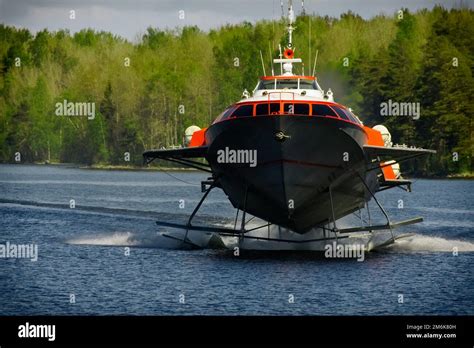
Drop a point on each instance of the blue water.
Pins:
(81, 252)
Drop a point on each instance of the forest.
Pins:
(146, 93)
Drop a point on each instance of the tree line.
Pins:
(146, 93)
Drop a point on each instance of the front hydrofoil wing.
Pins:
(181, 156)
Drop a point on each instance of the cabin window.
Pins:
(244, 110)
(286, 83)
(267, 109)
(346, 114)
(341, 113)
(274, 108)
(301, 109)
(298, 109)
(225, 114)
(352, 116)
(266, 84)
(322, 110)
(261, 109)
(308, 84)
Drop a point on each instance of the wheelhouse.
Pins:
(270, 83)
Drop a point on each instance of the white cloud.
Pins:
(128, 18)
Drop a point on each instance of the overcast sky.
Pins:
(129, 18)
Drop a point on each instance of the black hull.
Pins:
(290, 184)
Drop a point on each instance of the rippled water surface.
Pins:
(82, 252)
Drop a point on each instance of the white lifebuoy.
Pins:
(188, 133)
(386, 136)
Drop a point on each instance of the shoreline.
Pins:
(109, 167)
(185, 169)
(135, 168)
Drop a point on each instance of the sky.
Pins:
(130, 19)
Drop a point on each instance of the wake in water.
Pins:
(174, 240)
(115, 239)
(159, 240)
(419, 242)
(140, 214)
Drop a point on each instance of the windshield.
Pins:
(266, 84)
(226, 114)
(308, 84)
(287, 84)
(346, 114)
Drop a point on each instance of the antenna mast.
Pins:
(287, 58)
(291, 19)
(315, 61)
(271, 60)
(263, 64)
(309, 42)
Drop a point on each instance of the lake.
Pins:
(103, 257)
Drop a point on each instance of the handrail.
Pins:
(280, 99)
